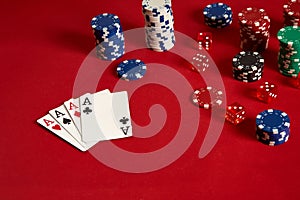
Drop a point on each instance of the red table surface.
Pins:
(43, 44)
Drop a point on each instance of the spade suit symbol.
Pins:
(66, 121)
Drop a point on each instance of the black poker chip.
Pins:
(247, 66)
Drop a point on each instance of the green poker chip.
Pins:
(289, 52)
(294, 75)
(289, 35)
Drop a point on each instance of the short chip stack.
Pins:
(109, 36)
(207, 97)
(132, 69)
(247, 66)
(159, 23)
(289, 52)
(217, 15)
(272, 127)
(291, 13)
(254, 29)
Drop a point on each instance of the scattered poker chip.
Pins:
(272, 127)
(247, 66)
(254, 29)
(217, 15)
(109, 36)
(289, 52)
(291, 13)
(207, 97)
(132, 69)
(159, 23)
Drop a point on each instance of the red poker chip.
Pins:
(207, 97)
(253, 17)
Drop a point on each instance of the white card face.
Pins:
(90, 129)
(51, 124)
(113, 115)
(73, 108)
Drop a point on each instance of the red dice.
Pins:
(204, 39)
(235, 113)
(267, 92)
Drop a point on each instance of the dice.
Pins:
(200, 62)
(204, 39)
(235, 113)
(267, 92)
(295, 82)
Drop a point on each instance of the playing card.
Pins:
(61, 115)
(121, 112)
(90, 129)
(73, 108)
(113, 114)
(50, 123)
(105, 116)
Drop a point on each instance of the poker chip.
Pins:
(291, 13)
(289, 52)
(132, 69)
(217, 15)
(247, 66)
(159, 23)
(109, 36)
(272, 127)
(207, 97)
(254, 29)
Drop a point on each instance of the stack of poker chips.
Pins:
(217, 15)
(291, 13)
(272, 127)
(289, 52)
(254, 29)
(109, 36)
(247, 66)
(159, 23)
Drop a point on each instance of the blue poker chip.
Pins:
(272, 142)
(110, 43)
(217, 15)
(132, 69)
(270, 136)
(105, 20)
(217, 11)
(272, 121)
(105, 33)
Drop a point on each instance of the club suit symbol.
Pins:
(124, 120)
(87, 110)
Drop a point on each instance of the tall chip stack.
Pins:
(289, 52)
(109, 36)
(254, 29)
(291, 13)
(272, 127)
(159, 23)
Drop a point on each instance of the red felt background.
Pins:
(43, 44)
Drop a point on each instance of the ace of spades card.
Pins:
(105, 116)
